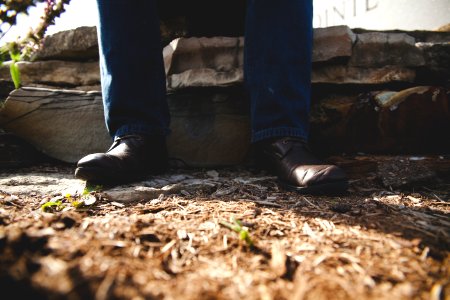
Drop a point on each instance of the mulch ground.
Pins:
(244, 237)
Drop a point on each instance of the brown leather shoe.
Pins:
(298, 169)
(129, 158)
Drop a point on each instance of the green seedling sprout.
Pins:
(14, 69)
(237, 226)
(52, 205)
(86, 199)
(58, 204)
(89, 188)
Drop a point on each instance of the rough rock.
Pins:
(218, 62)
(378, 49)
(56, 73)
(76, 44)
(374, 58)
(153, 188)
(62, 124)
(339, 74)
(407, 121)
(331, 74)
(424, 36)
(81, 76)
(437, 55)
(413, 120)
(82, 43)
(194, 62)
(40, 183)
(332, 42)
(204, 78)
(219, 53)
(210, 127)
(359, 74)
(138, 192)
(68, 125)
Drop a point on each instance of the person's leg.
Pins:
(132, 67)
(277, 71)
(277, 66)
(134, 92)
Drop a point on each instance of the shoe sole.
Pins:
(94, 175)
(331, 188)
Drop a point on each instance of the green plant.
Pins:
(14, 69)
(87, 198)
(236, 225)
(89, 188)
(53, 206)
(23, 48)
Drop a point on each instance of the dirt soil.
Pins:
(388, 238)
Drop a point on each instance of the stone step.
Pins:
(211, 126)
(374, 92)
(340, 56)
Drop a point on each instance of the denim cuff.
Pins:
(279, 132)
(143, 129)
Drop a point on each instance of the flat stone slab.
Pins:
(209, 127)
(377, 49)
(389, 171)
(413, 120)
(40, 183)
(186, 183)
(61, 124)
(76, 44)
(340, 74)
(332, 42)
(437, 55)
(56, 73)
(340, 57)
(82, 43)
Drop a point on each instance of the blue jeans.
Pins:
(277, 67)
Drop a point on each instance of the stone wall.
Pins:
(373, 92)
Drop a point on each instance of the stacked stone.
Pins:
(373, 92)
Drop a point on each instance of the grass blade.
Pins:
(15, 74)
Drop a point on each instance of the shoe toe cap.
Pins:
(317, 174)
(92, 160)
